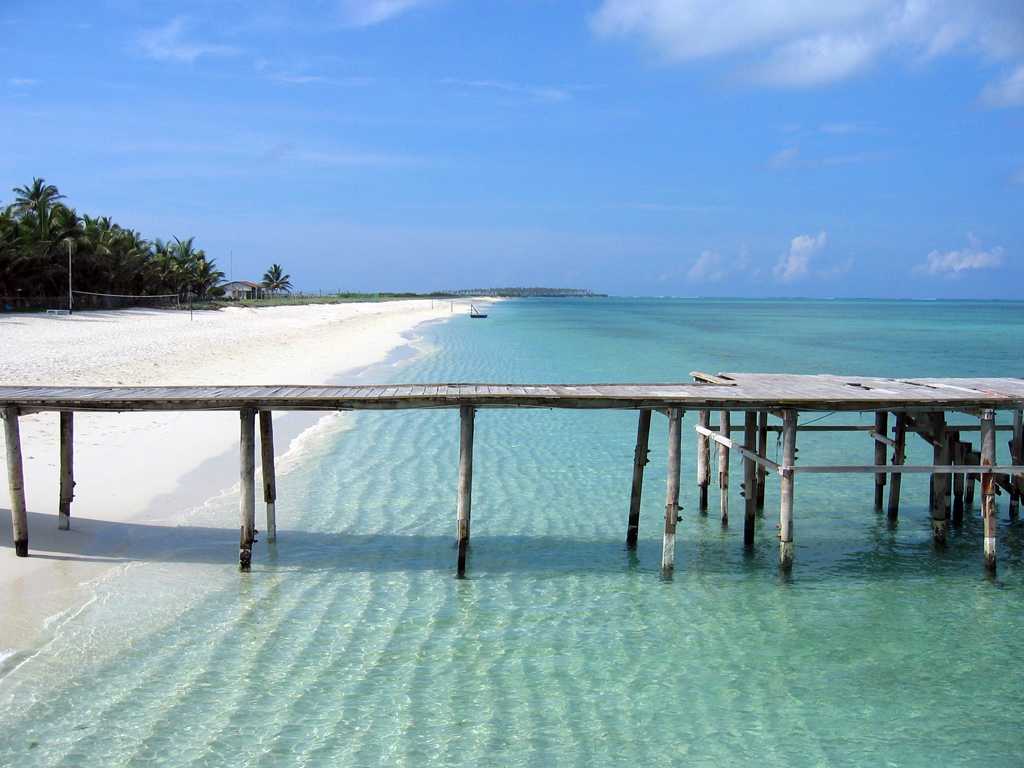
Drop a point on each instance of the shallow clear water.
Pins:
(351, 643)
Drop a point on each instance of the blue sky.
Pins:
(654, 147)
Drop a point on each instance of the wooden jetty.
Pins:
(918, 407)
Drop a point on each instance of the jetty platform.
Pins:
(759, 403)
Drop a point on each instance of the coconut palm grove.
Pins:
(41, 234)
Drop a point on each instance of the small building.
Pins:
(243, 289)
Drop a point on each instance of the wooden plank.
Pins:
(16, 482)
(988, 492)
(789, 422)
(703, 459)
(749, 477)
(269, 472)
(640, 453)
(668, 542)
(247, 476)
(67, 470)
(465, 497)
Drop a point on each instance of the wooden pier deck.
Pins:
(918, 406)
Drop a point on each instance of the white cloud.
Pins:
(708, 268)
(802, 248)
(1008, 92)
(784, 158)
(22, 82)
(168, 43)
(366, 13)
(805, 43)
(953, 263)
(842, 129)
(538, 92)
(288, 79)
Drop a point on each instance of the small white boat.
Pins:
(474, 312)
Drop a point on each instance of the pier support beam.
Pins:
(762, 451)
(67, 469)
(881, 428)
(16, 482)
(723, 467)
(988, 487)
(247, 476)
(1017, 457)
(899, 456)
(467, 414)
(749, 478)
(959, 454)
(643, 433)
(939, 494)
(269, 474)
(789, 419)
(668, 543)
(703, 462)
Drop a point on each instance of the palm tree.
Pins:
(36, 200)
(275, 280)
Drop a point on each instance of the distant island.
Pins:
(510, 293)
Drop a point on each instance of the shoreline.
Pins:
(115, 454)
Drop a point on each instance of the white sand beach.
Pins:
(131, 466)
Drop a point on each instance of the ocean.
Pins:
(352, 643)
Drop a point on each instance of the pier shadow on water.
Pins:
(705, 551)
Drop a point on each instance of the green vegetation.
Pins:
(39, 232)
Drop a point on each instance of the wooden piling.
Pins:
(899, 456)
(940, 454)
(749, 478)
(643, 432)
(247, 476)
(723, 468)
(16, 482)
(988, 489)
(269, 473)
(959, 457)
(67, 469)
(789, 420)
(467, 415)
(882, 429)
(970, 481)
(668, 543)
(762, 451)
(1017, 457)
(703, 462)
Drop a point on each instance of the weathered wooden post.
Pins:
(467, 414)
(899, 455)
(970, 480)
(959, 454)
(67, 469)
(749, 478)
(1016, 457)
(762, 451)
(247, 475)
(16, 482)
(988, 487)
(724, 430)
(269, 473)
(703, 462)
(881, 429)
(643, 433)
(940, 455)
(789, 420)
(668, 543)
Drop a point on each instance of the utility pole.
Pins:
(70, 300)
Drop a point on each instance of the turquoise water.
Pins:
(352, 644)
